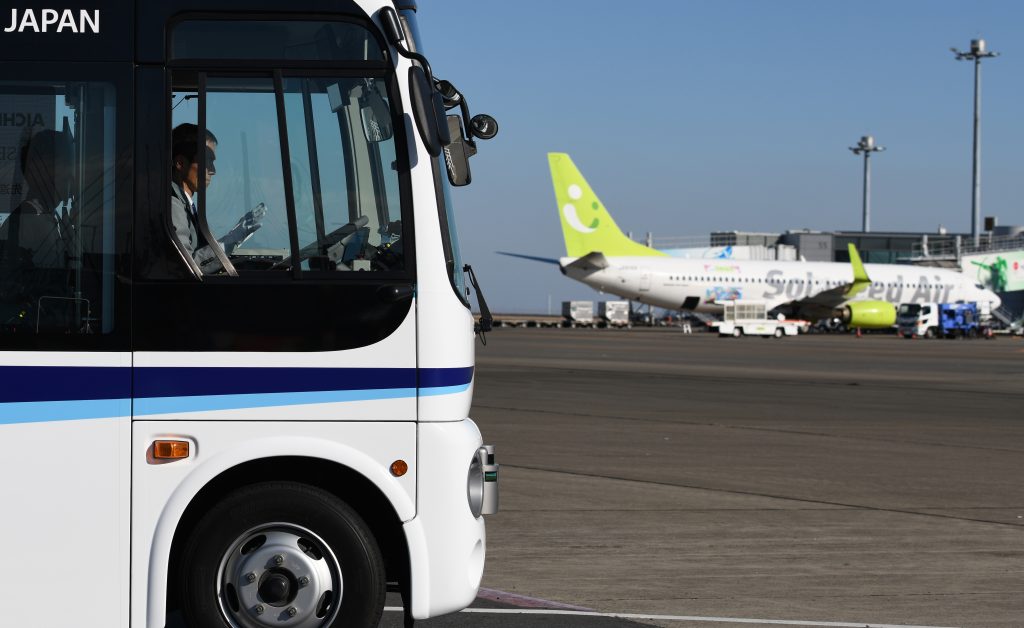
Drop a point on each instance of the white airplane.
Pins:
(862, 295)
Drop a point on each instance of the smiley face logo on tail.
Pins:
(569, 211)
(586, 224)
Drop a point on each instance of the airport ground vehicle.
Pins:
(577, 313)
(941, 320)
(742, 318)
(614, 313)
(271, 439)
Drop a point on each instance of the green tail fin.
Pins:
(860, 275)
(586, 224)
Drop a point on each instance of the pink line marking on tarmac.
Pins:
(524, 601)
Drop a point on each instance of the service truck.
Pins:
(577, 313)
(945, 320)
(750, 318)
(614, 313)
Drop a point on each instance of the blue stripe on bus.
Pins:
(207, 403)
(206, 381)
(443, 390)
(33, 394)
(437, 378)
(74, 410)
(65, 383)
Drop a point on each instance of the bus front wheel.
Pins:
(281, 553)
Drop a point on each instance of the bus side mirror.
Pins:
(428, 110)
(457, 154)
(392, 26)
(484, 126)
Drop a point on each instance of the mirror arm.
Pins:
(464, 107)
(393, 30)
(449, 91)
(415, 56)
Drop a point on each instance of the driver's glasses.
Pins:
(211, 157)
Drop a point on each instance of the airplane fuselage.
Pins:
(674, 283)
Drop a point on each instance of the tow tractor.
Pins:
(750, 318)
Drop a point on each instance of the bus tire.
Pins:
(281, 553)
(737, 332)
(778, 332)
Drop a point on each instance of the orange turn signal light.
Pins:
(399, 468)
(170, 449)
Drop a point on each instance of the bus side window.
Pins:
(244, 217)
(57, 193)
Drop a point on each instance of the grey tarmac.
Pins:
(818, 479)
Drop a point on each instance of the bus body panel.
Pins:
(162, 492)
(446, 337)
(66, 491)
(374, 383)
(446, 543)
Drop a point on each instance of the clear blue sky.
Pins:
(688, 117)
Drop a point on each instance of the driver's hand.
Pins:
(245, 227)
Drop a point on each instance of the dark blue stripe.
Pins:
(62, 383)
(200, 381)
(435, 378)
(65, 383)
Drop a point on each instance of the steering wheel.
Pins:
(387, 256)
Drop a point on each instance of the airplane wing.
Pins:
(534, 258)
(839, 295)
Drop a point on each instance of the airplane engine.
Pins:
(868, 314)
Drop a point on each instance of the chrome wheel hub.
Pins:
(279, 575)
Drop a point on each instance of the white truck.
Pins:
(577, 313)
(945, 320)
(750, 318)
(614, 313)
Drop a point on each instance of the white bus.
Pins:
(236, 347)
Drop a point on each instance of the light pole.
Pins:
(866, 145)
(976, 54)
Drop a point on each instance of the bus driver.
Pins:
(184, 204)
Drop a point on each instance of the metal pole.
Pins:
(866, 226)
(866, 145)
(976, 178)
(976, 54)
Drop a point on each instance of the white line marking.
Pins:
(724, 620)
(525, 601)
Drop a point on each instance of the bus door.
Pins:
(65, 364)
